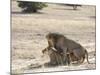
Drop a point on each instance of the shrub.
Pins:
(31, 6)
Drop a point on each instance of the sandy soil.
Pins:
(29, 30)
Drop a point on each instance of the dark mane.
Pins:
(55, 35)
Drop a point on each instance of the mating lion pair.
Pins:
(64, 51)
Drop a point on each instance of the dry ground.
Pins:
(29, 30)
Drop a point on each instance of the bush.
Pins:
(31, 6)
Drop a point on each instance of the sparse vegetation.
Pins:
(31, 6)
